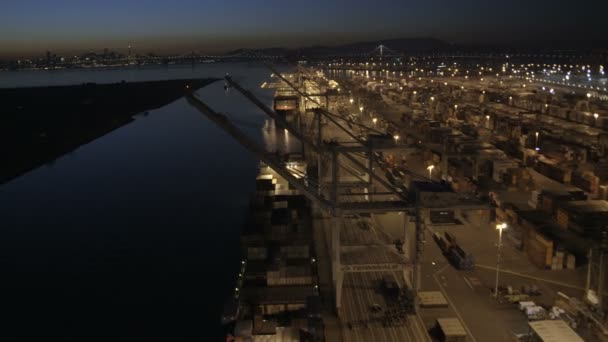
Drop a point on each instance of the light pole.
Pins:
(430, 168)
(536, 143)
(499, 227)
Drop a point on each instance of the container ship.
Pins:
(277, 292)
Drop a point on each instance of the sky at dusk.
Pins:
(29, 27)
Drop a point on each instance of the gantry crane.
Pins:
(389, 198)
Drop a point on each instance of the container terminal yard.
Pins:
(434, 199)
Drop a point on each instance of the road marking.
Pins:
(532, 277)
(468, 283)
(454, 308)
(441, 269)
(475, 281)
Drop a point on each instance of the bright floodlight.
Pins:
(501, 226)
(430, 167)
(361, 108)
(351, 101)
(596, 115)
(374, 120)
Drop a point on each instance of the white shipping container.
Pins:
(533, 310)
(524, 305)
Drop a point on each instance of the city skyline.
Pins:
(28, 28)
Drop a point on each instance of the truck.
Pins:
(442, 242)
(453, 252)
(449, 330)
(459, 258)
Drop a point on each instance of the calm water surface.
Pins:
(134, 236)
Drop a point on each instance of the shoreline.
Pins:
(41, 124)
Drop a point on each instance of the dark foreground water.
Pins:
(134, 236)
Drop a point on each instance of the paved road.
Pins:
(470, 298)
(360, 293)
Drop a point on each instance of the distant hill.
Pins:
(430, 45)
(275, 51)
(403, 45)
